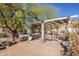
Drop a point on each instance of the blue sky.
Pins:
(66, 9)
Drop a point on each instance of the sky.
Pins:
(66, 9)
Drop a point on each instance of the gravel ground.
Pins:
(33, 48)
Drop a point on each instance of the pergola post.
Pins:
(69, 29)
(42, 31)
(69, 25)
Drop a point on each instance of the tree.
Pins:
(17, 16)
(38, 12)
(10, 18)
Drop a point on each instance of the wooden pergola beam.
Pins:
(74, 16)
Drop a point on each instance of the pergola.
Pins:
(66, 20)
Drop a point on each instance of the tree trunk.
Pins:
(14, 32)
